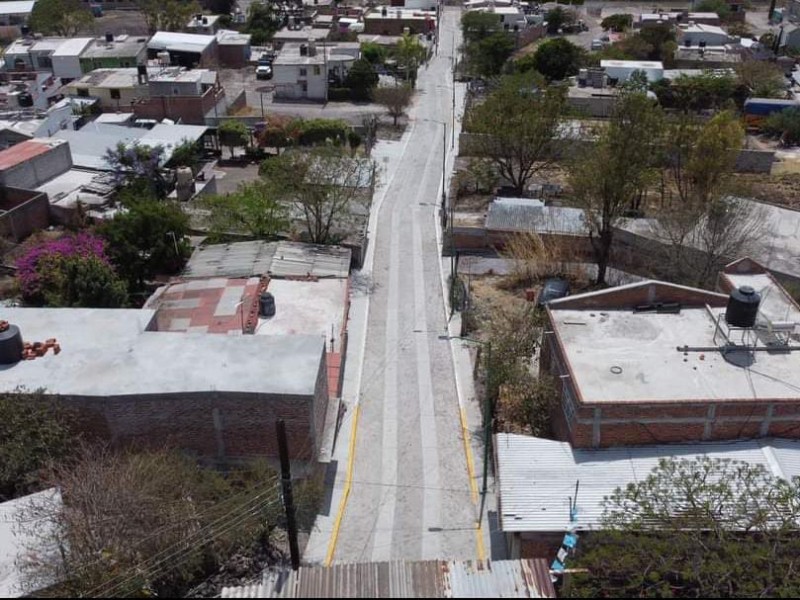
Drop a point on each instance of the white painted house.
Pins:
(306, 71)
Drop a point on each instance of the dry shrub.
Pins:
(534, 258)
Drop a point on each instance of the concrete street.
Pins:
(411, 496)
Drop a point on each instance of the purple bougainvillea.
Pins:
(82, 244)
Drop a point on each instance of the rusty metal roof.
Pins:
(528, 578)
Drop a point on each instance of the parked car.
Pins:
(263, 71)
(553, 289)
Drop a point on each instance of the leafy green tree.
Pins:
(187, 154)
(80, 281)
(263, 20)
(698, 528)
(618, 22)
(147, 239)
(516, 128)
(410, 54)
(354, 141)
(714, 6)
(280, 131)
(323, 185)
(64, 18)
(33, 433)
(139, 166)
(253, 209)
(361, 79)
(697, 92)
(373, 53)
(761, 79)
(395, 99)
(167, 15)
(557, 59)
(784, 125)
(609, 179)
(234, 134)
(558, 17)
(487, 56)
(477, 25)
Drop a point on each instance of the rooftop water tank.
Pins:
(10, 344)
(742, 307)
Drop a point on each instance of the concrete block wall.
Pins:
(22, 212)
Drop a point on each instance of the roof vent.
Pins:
(742, 308)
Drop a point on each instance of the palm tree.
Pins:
(410, 52)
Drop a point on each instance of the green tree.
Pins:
(361, 79)
(323, 185)
(139, 167)
(696, 92)
(720, 7)
(517, 126)
(784, 125)
(373, 53)
(618, 22)
(147, 239)
(487, 56)
(80, 281)
(477, 25)
(167, 15)
(234, 134)
(558, 17)
(410, 54)
(186, 154)
(609, 179)
(253, 209)
(697, 528)
(557, 59)
(761, 79)
(395, 99)
(65, 18)
(33, 433)
(263, 20)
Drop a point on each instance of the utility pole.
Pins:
(488, 417)
(288, 498)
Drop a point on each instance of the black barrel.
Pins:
(266, 305)
(10, 345)
(742, 307)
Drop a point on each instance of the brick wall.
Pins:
(213, 425)
(190, 109)
(22, 212)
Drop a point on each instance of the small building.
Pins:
(511, 18)
(180, 95)
(31, 163)
(234, 48)
(709, 57)
(114, 52)
(621, 70)
(203, 24)
(790, 37)
(654, 362)
(307, 70)
(130, 384)
(31, 54)
(27, 91)
(67, 58)
(15, 12)
(396, 21)
(427, 4)
(299, 36)
(405, 579)
(22, 212)
(697, 34)
(184, 49)
(537, 479)
(116, 89)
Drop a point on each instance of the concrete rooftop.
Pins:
(623, 356)
(108, 352)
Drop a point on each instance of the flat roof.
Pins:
(402, 13)
(215, 305)
(73, 46)
(181, 42)
(122, 46)
(537, 477)
(126, 77)
(185, 75)
(632, 64)
(109, 352)
(301, 35)
(519, 215)
(16, 7)
(776, 306)
(702, 28)
(307, 307)
(617, 355)
(11, 157)
(90, 187)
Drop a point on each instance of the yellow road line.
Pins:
(473, 485)
(346, 493)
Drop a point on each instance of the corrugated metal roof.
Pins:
(406, 579)
(529, 215)
(537, 477)
(278, 259)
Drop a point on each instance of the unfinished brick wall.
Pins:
(215, 425)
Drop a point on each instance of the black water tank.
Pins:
(742, 307)
(266, 305)
(10, 345)
(109, 37)
(25, 100)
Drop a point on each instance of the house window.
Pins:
(303, 72)
(83, 93)
(316, 70)
(304, 86)
(568, 404)
(114, 94)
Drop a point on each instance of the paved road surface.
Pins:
(410, 495)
